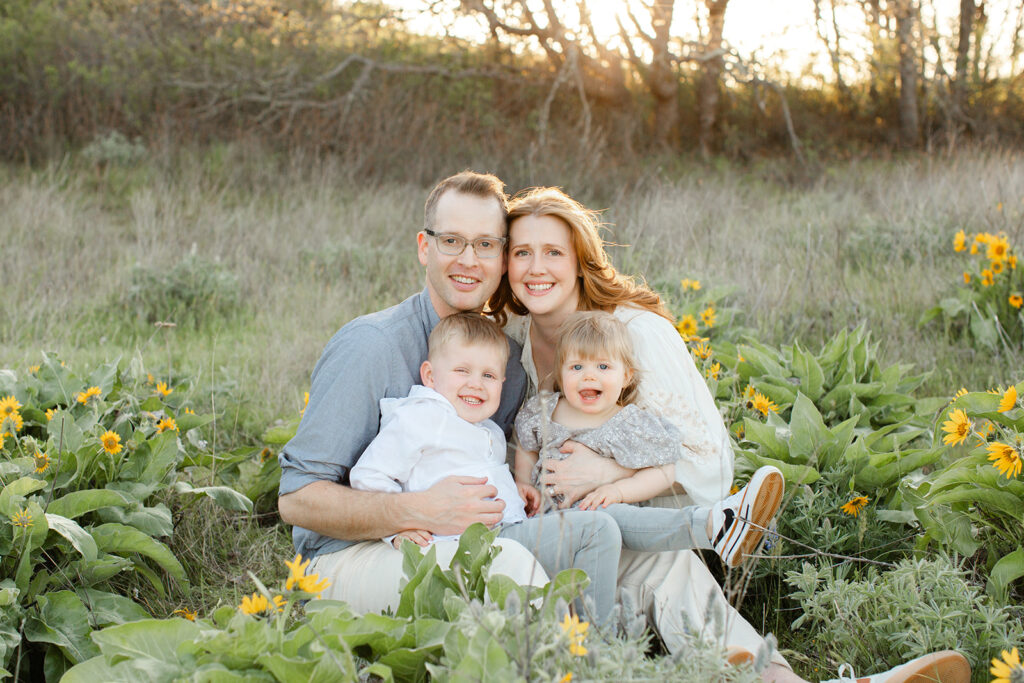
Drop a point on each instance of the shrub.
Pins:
(194, 291)
(888, 617)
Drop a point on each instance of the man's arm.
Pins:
(337, 511)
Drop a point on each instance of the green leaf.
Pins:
(79, 538)
(793, 473)
(75, 504)
(107, 609)
(62, 620)
(153, 521)
(810, 437)
(65, 432)
(807, 370)
(1008, 569)
(187, 422)
(224, 496)
(119, 539)
(149, 639)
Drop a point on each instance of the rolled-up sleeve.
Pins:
(343, 414)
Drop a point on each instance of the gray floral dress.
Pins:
(632, 437)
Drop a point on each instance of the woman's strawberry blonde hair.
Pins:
(602, 288)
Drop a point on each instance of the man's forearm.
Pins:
(338, 511)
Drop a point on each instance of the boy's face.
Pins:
(469, 376)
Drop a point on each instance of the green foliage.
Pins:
(114, 148)
(82, 462)
(975, 501)
(193, 291)
(987, 307)
(921, 606)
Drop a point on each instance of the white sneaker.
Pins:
(947, 666)
(738, 522)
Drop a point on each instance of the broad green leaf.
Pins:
(1003, 501)
(224, 496)
(120, 539)
(807, 370)
(108, 609)
(187, 422)
(983, 329)
(1008, 569)
(76, 535)
(97, 669)
(810, 437)
(75, 504)
(153, 521)
(163, 457)
(793, 473)
(23, 487)
(152, 639)
(883, 470)
(63, 621)
(65, 432)
(768, 437)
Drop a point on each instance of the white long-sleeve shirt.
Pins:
(423, 440)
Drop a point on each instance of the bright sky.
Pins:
(782, 31)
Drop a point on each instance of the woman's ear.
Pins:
(427, 374)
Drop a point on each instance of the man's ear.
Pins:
(421, 247)
(427, 372)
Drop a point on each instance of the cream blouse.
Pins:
(670, 387)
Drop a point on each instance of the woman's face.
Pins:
(542, 267)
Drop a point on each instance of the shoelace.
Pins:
(848, 676)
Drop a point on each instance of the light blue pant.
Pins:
(592, 540)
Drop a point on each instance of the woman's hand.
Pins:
(580, 473)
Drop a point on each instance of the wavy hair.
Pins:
(602, 288)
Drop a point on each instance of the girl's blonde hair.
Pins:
(602, 288)
(596, 334)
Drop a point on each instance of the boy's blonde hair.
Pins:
(596, 334)
(468, 328)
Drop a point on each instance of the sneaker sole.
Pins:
(767, 496)
(939, 667)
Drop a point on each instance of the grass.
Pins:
(310, 247)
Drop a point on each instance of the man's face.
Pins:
(464, 282)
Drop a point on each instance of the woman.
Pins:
(557, 265)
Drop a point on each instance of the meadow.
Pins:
(224, 271)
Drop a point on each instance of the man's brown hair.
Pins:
(481, 185)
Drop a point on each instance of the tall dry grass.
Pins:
(313, 245)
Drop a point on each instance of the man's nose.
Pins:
(468, 256)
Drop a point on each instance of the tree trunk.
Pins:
(663, 82)
(708, 93)
(905, 21)
(963, 48)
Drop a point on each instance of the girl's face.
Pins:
(593, 385)
(542, 267)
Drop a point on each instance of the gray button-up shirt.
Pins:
(372, 357)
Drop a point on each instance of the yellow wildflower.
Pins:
(266, 454)
(189, 411)
(961, 392)
(89, 393)
(566, 678)
(967, 278)
(312, 583)
(999, 206)
(708, 316)
(996, 266)
(854, 505)
(14, 419)
(1009, 399)
(33, 369)
(763, 404)
(1008, 669)
(1016, 300)
(734, 489)
(687, 326)
(166, 424)
(50, 412)
(576, 630)
(8, 406)
(986, 278)
(111, 442)
(149, 378)
(998, 249)
(1012, 260)
(298, 570)
(1005, 459)
(305, 402)
(960, 241)
(749, 391)
(712, 372)
(163, 390)
(41, 461)
(703, 351)
(974, 248)
(186, 613)
(957, 428)
(22, 518)
(258, 605)
(688, 284)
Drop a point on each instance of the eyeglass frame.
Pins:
(465, 243)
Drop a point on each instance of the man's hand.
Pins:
(580, 473)
(602, 496)
(452, 504)
(417, 536)
(530, 496)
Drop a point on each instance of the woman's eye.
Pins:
(520, 252)
(554, 252)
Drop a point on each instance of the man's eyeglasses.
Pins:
(453, 245)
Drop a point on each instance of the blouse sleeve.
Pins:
(526, 425)
(671, 387)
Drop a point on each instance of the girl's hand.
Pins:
(530, 496)
(580, 473)
(417, 536)
(603, 496)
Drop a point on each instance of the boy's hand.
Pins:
(417, 536)
(530, 496)
(603, 496)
